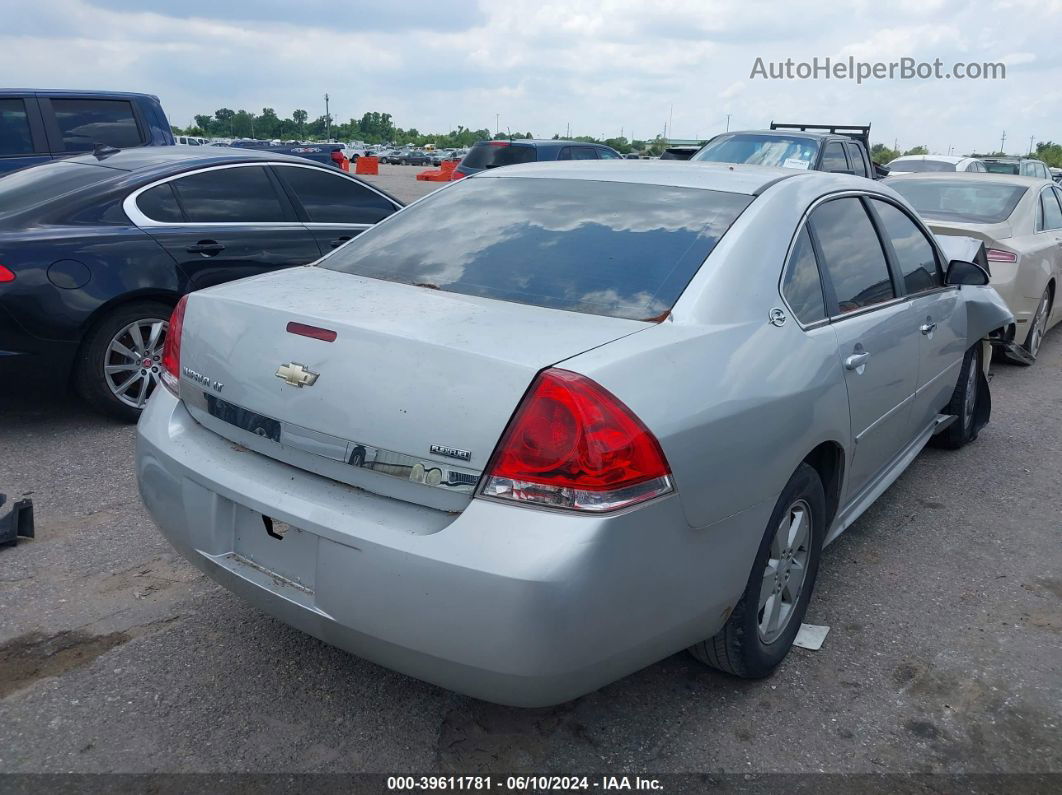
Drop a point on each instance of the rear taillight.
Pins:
(6, 275)
(997, 255)
(171, 351)
(573, 444)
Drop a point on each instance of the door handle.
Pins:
(927, 327)
(339, 241)
(206, 247)
(856, 360)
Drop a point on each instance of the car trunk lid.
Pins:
(408, 400)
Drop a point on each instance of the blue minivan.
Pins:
(492, 154)
(37, 125)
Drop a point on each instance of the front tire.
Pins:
(119, 363)
(761, 629)
(970, 403)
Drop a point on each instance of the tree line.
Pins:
(372, 128)
(379, 128)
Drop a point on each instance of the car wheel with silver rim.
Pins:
(119, 364)
(762, 626)
(1038, 327)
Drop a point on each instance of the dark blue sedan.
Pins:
(96, 250)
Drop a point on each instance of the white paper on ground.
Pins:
(811, 637)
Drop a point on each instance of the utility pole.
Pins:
(1002, 141)
(328, 121)
(728, 122)
(1031, 143)
(497, 123)
(670, 118)
(949, 148)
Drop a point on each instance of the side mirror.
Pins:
(963, 272)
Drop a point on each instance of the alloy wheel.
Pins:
(1039, 325)
(133, 362)
(785, 572)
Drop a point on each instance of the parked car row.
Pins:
(505, 339)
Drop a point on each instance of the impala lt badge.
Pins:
(297, 375)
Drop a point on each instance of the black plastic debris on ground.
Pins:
(17, 523)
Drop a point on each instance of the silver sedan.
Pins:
(551, 424)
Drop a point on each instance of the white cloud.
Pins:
(600, 66)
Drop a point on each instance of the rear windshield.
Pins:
(965, 200)
(494, 154)
(30, 187)
(761, 150)
(603, 248)
(997, 167)
(919, 166)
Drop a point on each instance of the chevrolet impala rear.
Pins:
(520, 439)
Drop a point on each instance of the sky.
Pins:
(596, 68)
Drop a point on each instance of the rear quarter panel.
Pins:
(736, 402)
(120, 262)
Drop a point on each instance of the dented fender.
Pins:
(985, 312)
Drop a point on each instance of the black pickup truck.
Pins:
(837, 148)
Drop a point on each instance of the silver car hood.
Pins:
(408, 401)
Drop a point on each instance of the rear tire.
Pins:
(966, 403)
(100, 388)
(750, 645)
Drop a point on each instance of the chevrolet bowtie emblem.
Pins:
(297, 375)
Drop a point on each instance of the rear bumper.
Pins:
(512, 605)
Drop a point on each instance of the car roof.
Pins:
(818, 136)
(80, 92)
(967, 176)
(727, 177)
(542, 142)
(939, 158)
(151, 157)
(1009, 159)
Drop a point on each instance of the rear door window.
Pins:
(160, 204)
(230, 195)
(498, 153)
(833, 158)
(83, 123)
(15, 138)
(1052, 211)
(801, 286)
(852, 254)
(584, 153)
(330, 198)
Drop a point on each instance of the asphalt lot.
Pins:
(944, 655)
(401, 182)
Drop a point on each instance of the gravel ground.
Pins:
(944, 602)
